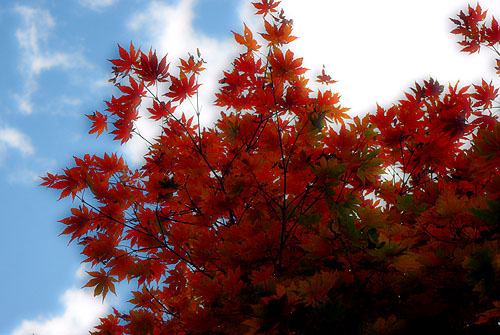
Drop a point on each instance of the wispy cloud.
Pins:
(97, 5)
(32, 38)
(31, 174)
(81, 313)
(14, 138)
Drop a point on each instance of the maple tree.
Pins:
(288, 216)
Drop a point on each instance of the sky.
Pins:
(55, 70)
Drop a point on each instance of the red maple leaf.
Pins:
(150, 70)
(161, 109)
(266, 6)
(132, 94)
(98, 123)
(182, 87)
(493, 33)
(128, 59)
(485, 94)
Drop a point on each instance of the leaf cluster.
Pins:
(288, 216)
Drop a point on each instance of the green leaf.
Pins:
(491, 215)
(407, 204)
(481, 266)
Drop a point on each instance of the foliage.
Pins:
(287, 216)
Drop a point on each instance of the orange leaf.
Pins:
(191, 66)
(102, 283)
(247, 40)
(325, 78)
(266, 6)
(278, 36)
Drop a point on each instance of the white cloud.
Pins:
(377, 49)
(57, 59)
(97, 4)
(81, 313)
(37, 22)
(32, 38)
(16, 139)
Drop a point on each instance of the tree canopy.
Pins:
(288, 215)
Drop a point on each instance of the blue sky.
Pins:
(55, 71)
